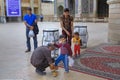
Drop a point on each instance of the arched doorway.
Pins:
(102, 8)
(71, 6)
(60, 10)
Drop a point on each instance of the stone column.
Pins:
(94, 10)
(76, 8)
(66, 3)
(19, 19)
(55, 10)
(114, 21)
(39, 9)
(79, 8)
(3, 19)
(32, 5)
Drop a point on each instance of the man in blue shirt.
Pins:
(29, 20)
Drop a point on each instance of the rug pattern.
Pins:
(102, 61)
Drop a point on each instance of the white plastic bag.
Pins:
(31, 33)
(71, 61)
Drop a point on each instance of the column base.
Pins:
(94, 19)
(2, 19)
(84, 19)
(19, 19)
(114, 19)
(55, 18)
(114, 42)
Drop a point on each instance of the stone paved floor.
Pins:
(14, 62)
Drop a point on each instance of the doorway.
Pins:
(102, 9)
(71, 6)
(60, 10)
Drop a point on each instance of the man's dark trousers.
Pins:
(43, 65)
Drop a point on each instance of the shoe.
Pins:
(27, 51)
(56, 67)
(54, 73)
(66, 71)
(78, 55)
(40, 72)
(75, 56)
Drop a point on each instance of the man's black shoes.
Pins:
(40, 72)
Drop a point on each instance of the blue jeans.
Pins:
(28, 40)
(64, 58)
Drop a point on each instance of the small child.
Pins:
(76, 42)
(65, 51)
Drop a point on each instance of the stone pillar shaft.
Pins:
(2, 8)
(39, 7)
(32, 5)
(3, 19)
(77, 9)
(55, 8)
(66, 3)
(114, 21)
(94, 8)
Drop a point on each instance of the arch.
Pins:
(60, 10)
(102, 8)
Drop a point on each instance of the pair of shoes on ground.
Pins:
(66, 71)
(40, 72)
(27, 51)
(76, 56)
(54, 73)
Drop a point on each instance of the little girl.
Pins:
(76, 42)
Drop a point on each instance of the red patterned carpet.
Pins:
(102, 61)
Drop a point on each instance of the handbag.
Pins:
(31, 33)
(71, 61)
